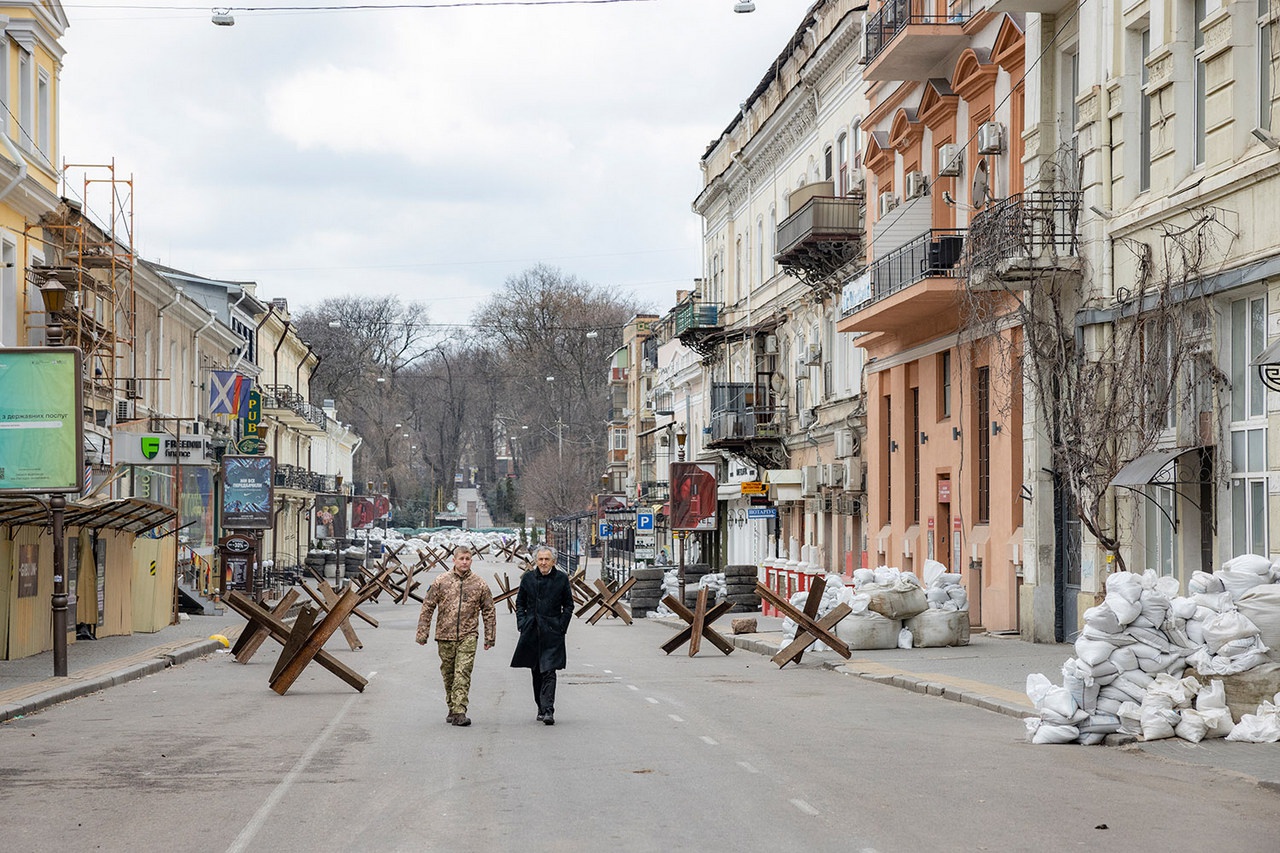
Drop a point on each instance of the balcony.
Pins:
(906, 39)
(821, 237)
(895, 292)
(663, 403)
(654, 491)
(1024, 238)
(293, 410)
(745, 422)
(302, 480)
(697, 325)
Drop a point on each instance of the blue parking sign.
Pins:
(644, 521)
(606, 530)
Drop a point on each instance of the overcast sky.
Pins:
(429, 153)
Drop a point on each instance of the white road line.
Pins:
(632, 687)
(675, 718)
(804, 807)
(747, 767)
(609, 671)
(245, 839)
(651, 700)
(709, 741)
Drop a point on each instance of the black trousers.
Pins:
(544, 691)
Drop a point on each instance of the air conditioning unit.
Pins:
(950, 160)
(809, 481)
(917, 185)
(807, 418)
(888, 201)
(835, 474)
(844, 443)
(770, 344)
(813, 355)
(124, 411)
(858, 187)
(991, 138)
(131, 389)
(853, 481)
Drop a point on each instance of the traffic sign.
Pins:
(606, 530)
(762, 512)
(644, 521)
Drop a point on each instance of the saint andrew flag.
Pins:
(229, 392)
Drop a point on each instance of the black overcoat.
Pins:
(544, 608)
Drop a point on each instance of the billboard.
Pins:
(368, 509)
(41, 433)
(247, 492)
(331, 517)
(693, 496)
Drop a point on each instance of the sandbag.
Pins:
(901, 601)
(1102, 618)
(1225, 627)
(868, 630)
(938, 628)
(1261, 605)
(1204, 582)
(1252, 563)
(1055, 734)
(1237, 583)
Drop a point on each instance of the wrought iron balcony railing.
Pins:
(896, 15)
(937, 253)
(1031, 228)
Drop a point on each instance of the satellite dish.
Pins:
(981, 184)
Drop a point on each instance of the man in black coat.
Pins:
(544, 607)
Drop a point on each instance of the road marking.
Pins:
(632, 687)
(709, 741)
(245, 839)
(609, 672)
(747, 767)
(651, 700)
(675, 718)
(804, 807)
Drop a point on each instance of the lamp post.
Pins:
(54, 296)
(681, 438)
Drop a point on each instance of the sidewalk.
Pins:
(990, 673)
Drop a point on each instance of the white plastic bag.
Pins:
(904, 639)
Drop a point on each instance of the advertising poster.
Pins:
(693, 496)
(331, 517)
(364, 512)
(248, 491)
(196, 507)
(28, 570)
(41, 432)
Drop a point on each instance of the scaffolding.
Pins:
(95, 262)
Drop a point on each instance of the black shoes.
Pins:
(548, 720)
(541, 716)
(461, 720)
(451, 718)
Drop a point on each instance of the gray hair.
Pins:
(548, 549)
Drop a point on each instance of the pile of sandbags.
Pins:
(1260, 727)
(714, 584)
(944, 590)
(833, 594)
(1136, 646)
(671, 587)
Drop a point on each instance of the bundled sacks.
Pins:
(896, 595)
(1261, 605)
(1260, 727)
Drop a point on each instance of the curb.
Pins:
(132, 672)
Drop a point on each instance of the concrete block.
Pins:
(743, 626)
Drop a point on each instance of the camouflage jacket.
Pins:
(461, 601)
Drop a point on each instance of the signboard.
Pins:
(944, 491)
(331, 517)
(248, 492)
(253, 415)
(644, 521)
(755, 487)
(367, 509)
(856, 292)
(693, 496)
(606, 530)
(148, 448)
(251, 445)
(762, 512)
(41, 431)
(28, 570)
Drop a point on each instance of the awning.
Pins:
(652, 430)
(784, 475)
(1270, 355)
(1158, 467)
(729, 491)
(1268, 364)
(131, 515)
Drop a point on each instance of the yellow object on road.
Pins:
(221, 639)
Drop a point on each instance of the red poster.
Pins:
(693, 496)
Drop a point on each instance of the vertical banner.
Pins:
(28, 570)
(248, 492)
(41, 431)
(693, 496)
(364, 512)
(331, 517)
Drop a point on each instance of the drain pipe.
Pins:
(163, 354)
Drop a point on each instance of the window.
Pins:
(1157, 352)
(620, 439)
(827, 163)
(915, 455)
(944, 384)
(1198, 105)
(26, 105)
(983, 406)
(1249, 491)
(1161, 521)
(773, 239)
(44, 114)
(1144, 117)
(842, 157)
(8, 294)
(1265, 30)
(857, 144)
(887, 474)
(760, 250)
(1248, 338)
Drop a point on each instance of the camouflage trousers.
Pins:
(456, 659)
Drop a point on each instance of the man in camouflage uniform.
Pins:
(461, 597)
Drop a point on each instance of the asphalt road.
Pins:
(650, 752)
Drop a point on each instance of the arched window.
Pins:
(842, 159)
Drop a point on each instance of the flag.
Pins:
(228, 392)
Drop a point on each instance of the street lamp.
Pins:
(681, 438)
(54, 296)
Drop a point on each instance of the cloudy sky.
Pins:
(430, 153)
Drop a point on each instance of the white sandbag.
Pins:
(1167, 586)
(1091, 738)
(1181, 692)
(938, 628)
(1094, 652)
(1262, 727)
(1038, 687)
(1192, 726)
(1106, 705)
(1251, 563)
(1203, 582)
(1225, 627)
(1218, 721)
(862, 577)
(1159, 723)
(1124, 688)
(1102, 618)
(932, 570)
(1124, 659)
(1154, 607)
(1100, 723)
(948, 579)
(1130, 714)
(1237, 583)
(1102, 673)
(884, 575)
(1055, 734)
(1162, 663)
(1183, 608)
(904, 639)
(1261, 605)
(868, 630)
(959, 597)
(1124, 609)
(937, 597)
(1126, 585)
(902, 600)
